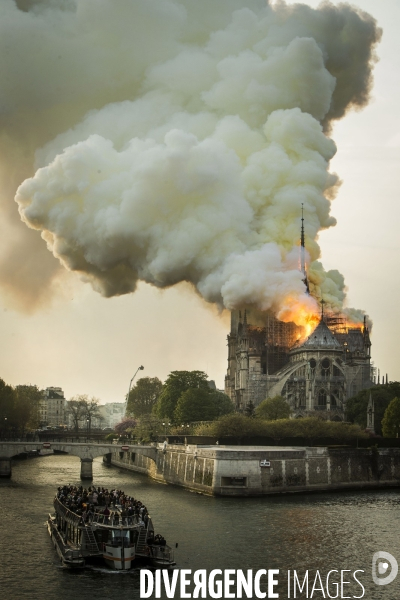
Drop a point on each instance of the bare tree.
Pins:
(76, 408)
(91, 410)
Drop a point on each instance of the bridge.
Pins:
(86, 452)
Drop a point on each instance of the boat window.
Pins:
(116, 537)
(117, 534)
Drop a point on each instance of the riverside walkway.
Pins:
(86, 451)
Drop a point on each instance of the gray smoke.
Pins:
(205, 130)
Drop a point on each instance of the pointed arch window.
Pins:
(313, 364)
(322, 397)
(325, 367)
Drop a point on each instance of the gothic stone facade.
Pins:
(267, 358)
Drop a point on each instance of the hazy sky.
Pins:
(87, 344)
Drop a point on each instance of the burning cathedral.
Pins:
(267, 357)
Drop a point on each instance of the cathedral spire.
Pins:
(303, 252)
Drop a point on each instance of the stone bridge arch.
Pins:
(85, 451)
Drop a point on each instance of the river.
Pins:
(303, 532)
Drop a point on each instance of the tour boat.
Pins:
(119, 542)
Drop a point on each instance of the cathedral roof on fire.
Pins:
(321, 339)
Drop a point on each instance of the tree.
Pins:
(176, 384)
(19, 407)
(91, 410)
(391, 419)
(75, 408)
(143, 396)
(310, 428)
(196, 404)
(250, 410)
(223, 404)
(272, 409)
(237, 425)
(127, 425)
(26, 407)
(7, 406)
(356, 407)
(148, 428)
(82, 408)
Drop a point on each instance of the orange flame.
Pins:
(304, 314)
(307, 315)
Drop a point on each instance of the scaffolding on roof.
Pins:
(279, 338)
(339, 323)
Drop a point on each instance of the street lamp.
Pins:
(87, 427)
(165, 428)
(130, 385)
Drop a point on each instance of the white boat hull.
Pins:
(119, 558)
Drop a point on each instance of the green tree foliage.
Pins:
(143, 396)
(176, 384)
(19, 407)
(391, 419)
(201, 404)
(26, 407)
(148, 428)
(356, 407)
(222, 402)
(7, 405)
(236, 425)
(311, 428)
(250, 410)
(272, 409)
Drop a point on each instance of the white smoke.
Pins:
(198, 173)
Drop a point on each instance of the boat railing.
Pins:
(162, 553)
(68, 515)
(115, 519)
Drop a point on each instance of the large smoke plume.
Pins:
(189, 133)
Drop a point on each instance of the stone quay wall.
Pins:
(255, 471)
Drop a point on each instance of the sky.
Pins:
(66, 334)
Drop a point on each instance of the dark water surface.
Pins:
(314, 532)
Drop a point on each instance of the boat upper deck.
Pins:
(81, 506)
(111, 519)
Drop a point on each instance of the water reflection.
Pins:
(321, 531)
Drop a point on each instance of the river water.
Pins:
(303, 532)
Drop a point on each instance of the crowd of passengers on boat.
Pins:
(91, 501)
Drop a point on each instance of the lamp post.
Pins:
(87, 427)
(165, 428)
(130, 385)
